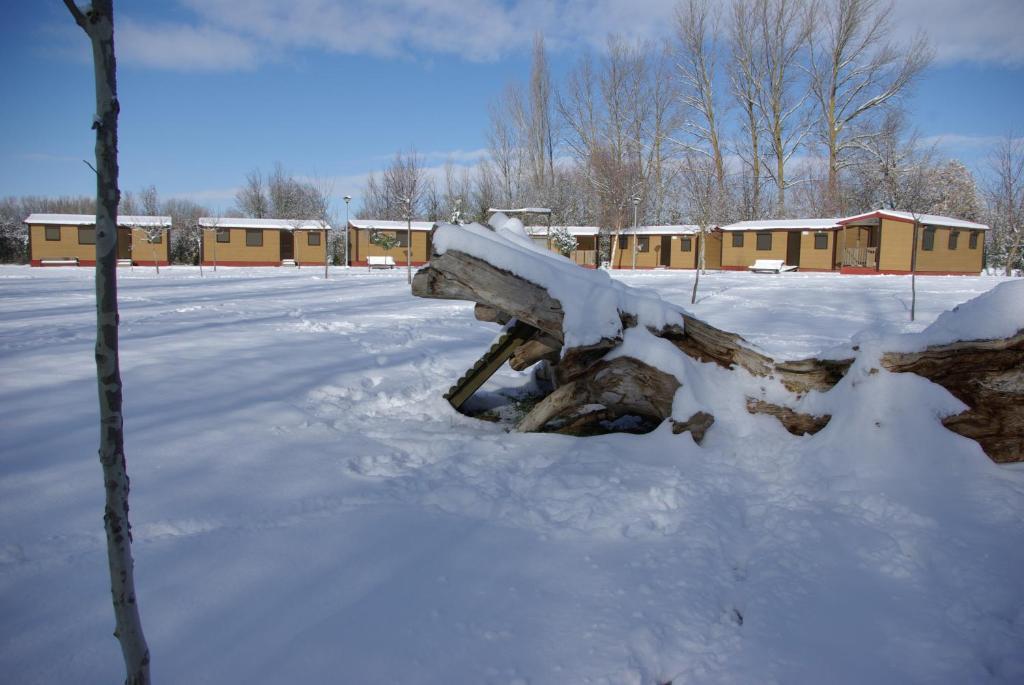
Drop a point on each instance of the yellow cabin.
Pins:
(231, 241)
(882, 242)
(665, 247)
(809, 244)
(654, 247)
(70, 239)
(361, 233)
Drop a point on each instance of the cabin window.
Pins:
(764, 241)
(401, 239)
(953, 237)
(821, 241)
(928, 240)
(313, 238)
(155, 238)
(973, 244)
(254, 237)
(643, 243)
(53, 233)
(737, 240)
(86, 235)
(223, 235)
(686, 243)
(623, 242)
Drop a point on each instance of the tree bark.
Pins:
(98, 24)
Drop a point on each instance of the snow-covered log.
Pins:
(618, 352)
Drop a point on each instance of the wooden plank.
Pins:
(488, 364)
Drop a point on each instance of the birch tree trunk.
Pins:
(98, 24)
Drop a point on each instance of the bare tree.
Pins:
(405, 184)
(745, 79)
(1005, 194)
(540, 138)
(855, 71)
(458, 191)
(697, 29)
(782, 27)
(128, 204)
(892, 167)
(251, 200)
(486, 193)
(917, 198)
(150, 201)
(705, 200)
(503, 141)
(956, 193)
(401, 187)
(187, 236)
(618, 115)
(98, 23)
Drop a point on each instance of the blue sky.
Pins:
(211, 89)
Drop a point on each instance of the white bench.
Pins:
(380, 262)
(66, 261)
(124, 262)
(770, 266)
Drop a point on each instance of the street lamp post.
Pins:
(348, 198)
(327, 247)
(408, 240)
(636, 238)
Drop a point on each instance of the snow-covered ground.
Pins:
(308, 507)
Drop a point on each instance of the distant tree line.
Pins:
(753, 109)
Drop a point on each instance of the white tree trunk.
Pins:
(98, 23)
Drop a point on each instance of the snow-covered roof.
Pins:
(573, 230)
(676, 229)
(272, 224)
(90, 219)
(784, 225)
(925, 219)
(382, 225)
(521, 210)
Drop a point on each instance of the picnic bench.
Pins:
(63, 261)
(770, 266)
(380, 262)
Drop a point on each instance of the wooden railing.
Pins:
(861, 256)
(584, 257)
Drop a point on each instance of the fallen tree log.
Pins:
(987, 376)
(591, 393)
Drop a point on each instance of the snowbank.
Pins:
(999, 313)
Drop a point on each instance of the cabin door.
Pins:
(793, 248)
(287, 245)
(666, 250)
(124, 243)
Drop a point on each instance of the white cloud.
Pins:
(981, 32)
(238, 34)
(183, 47)
(234, 34)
